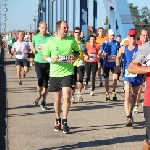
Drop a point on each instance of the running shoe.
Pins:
(114, 96)
(72, 100)
(65, 128)
(143, 103)
(43, 105)
(36, 101)
(20, 82)
(80, 98)
(92, 93)
(129, 122)
(123, 90)
(85, 86)
(136, 109)
(101, 84)
(107, 97)
(57, 126)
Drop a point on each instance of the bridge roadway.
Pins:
(94, 123)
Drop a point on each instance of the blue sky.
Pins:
(21, 12)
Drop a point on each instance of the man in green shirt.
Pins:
(61, 51)
(11, 40)
(42, 67)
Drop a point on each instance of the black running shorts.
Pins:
(56, 83)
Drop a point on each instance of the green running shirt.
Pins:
(39, 41)
(64, 49)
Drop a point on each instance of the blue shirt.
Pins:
(128, 57)
(111, 48)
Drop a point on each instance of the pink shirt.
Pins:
(92, 53)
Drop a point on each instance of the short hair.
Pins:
(58, 24)
(77, 28)
(100, 28)
(143, 30)
(118, 36)
(42, 22)
(92, 36)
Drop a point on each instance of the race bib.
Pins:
(64, 59)
(10, 41)
(111, 58)
(127, 74)
(80, 63)
(92, 56)
(40, 47)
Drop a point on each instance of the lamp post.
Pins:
(5, 9)
(30, 27)
(35, 20)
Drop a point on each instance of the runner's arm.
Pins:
(75, 49)
(13, 48)
(119, 55)
(135, 66)
(101, 52)
(33, 49)
(86, 55)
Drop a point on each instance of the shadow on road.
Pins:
(2, 103)
(95, 143)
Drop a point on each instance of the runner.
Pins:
(108, 51)
(41, 66)
(91, 65)
(118, 38)
(142, 41)
(132, 82)
(99, 40)
(79, 66)
(31, 55)
(11, 40)
(136, 67)
(22, 49)
(58, 51)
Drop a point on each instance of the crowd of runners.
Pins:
(65, 63)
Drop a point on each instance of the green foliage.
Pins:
(106, 25)
(141, 17)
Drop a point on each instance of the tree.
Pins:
(106, 25)
(135, 15)
(141, 17)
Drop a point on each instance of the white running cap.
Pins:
(111, 32)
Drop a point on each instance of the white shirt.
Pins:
(20, 47)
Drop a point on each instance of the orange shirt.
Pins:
(100, 40)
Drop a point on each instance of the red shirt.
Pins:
(139, 42)
(147, 91)
(92, 53)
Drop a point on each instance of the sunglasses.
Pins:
(133, 35)
(65, 27)
(77, 32)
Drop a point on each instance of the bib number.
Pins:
(111, 58)
(92, 56)
(64, 59)
(80, 63)
(127, 74)
(10, 41)
(40, 47)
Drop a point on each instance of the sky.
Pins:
(21, 13)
